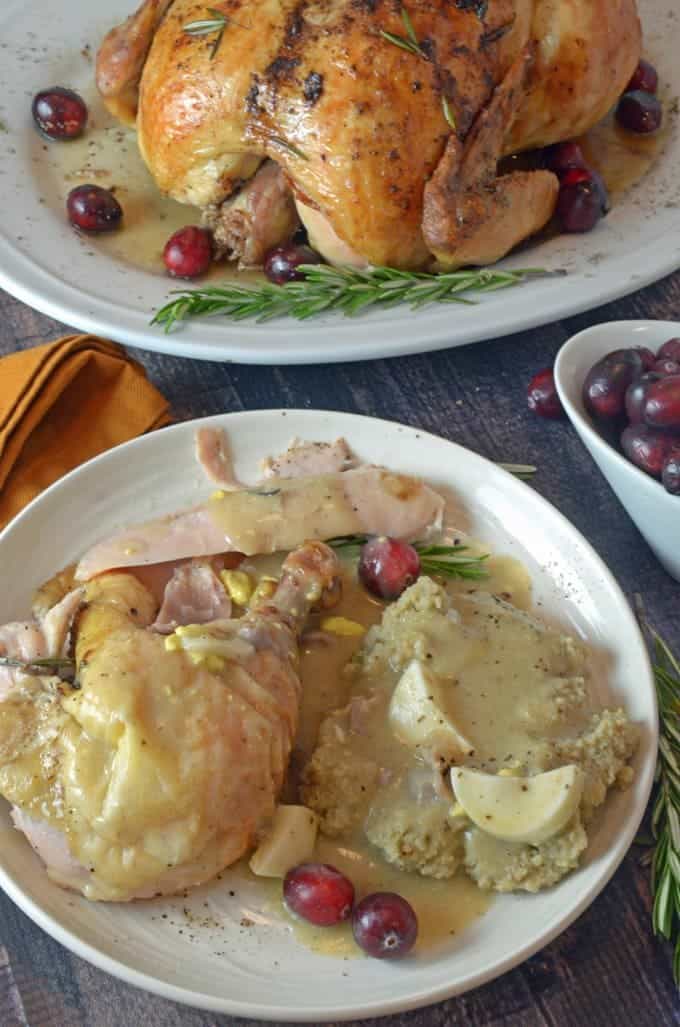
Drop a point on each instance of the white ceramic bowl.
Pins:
(655, 512)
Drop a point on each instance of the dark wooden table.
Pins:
(606, 970)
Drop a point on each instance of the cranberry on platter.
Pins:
(188, 252)
(387, 567)
(563, 157)
(93, 209)
(385, 925)
(639, 112)
(319, 894)
(281, 264)
(582, 200)
(59, 113)
(542, 395)
(644, 77)
(662, 404)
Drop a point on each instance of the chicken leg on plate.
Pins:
(160, 766)
(377, 140)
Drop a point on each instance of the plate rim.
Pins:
(615, 853)
(331, 338)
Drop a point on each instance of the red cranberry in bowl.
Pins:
(670, 472)
(670, 350)
(604, 390)
(648, 358)
(647, 447)
(665, 368)
(188, 252)
(59, 114)
(662, 404)
(542, 395)
(645, 77)
(387, 566)
(636, 394)
(639, 112)
(93, 209)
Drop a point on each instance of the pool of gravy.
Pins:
(107, 155)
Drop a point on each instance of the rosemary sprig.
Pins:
(63, 668)
(410, 42)
(522, 471)
(447, 561)
(665, 863)
(349, 290)
(206, 26)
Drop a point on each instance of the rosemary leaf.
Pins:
(405, 44)
(63, 668)
(448, 113)
(206, 26)
(665, 821)
(349, 290)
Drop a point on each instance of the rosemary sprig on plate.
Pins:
(666, 810)
(206, 26)
(447, 561)
(349, 290)
(62, 668)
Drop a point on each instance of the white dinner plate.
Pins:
(47, 265)
(197, 949)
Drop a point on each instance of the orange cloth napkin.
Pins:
(61, 404)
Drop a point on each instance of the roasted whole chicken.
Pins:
(379, 125)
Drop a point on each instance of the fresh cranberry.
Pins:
(666, 367)
(646, 356)
(670, 472)
(188, 253)
(318, 893)
(670, 350)
(93, 209)
(281, 264)
(563, 157)
(542, 395)
(605, 386)
(582, 200)
(662, 404)
(639, 112)
(385, 925)
(636, 394)
(644, 77)
(59, 113)
(387, 567)
(647, 447)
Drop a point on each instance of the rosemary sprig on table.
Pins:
(349, 290)
(522, 471)
(62, 668)
(447, 561)
(206, 26)
(666, 810)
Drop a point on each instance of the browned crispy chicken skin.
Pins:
(390, 152)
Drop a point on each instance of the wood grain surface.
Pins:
(607, 970)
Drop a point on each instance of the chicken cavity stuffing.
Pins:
(158, 767)
(386, 120)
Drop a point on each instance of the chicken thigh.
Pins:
(375, 111)
(159, 767)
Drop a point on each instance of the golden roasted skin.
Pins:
(358, 123)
